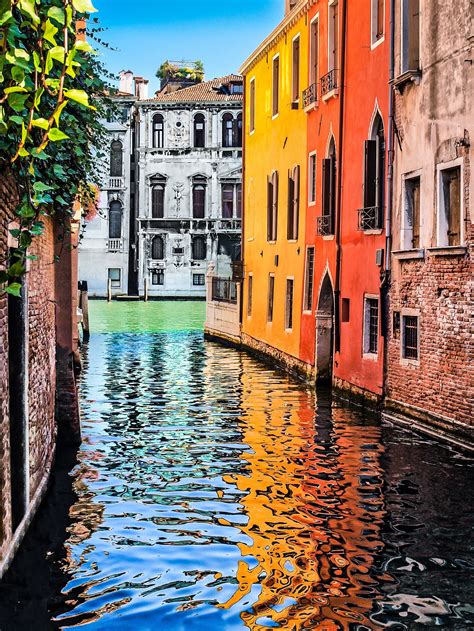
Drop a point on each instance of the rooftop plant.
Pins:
(193, 71)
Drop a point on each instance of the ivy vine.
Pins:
(52, 90)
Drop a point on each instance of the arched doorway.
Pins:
(325, 331)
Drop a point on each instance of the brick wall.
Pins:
(441, 388)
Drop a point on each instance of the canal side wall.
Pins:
(29, 429)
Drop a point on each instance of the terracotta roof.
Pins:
(201, 92)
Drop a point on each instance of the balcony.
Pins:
(233, 225)
(310, 96)
(370, 219)
(329, 83)
(325, 226)
(114, 245)
(116, 183)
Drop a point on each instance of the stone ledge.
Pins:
(407, 255)
(448, 250)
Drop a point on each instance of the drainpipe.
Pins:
(385, 286)
(244, 204)
(337, 290)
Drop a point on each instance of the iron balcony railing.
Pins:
(310, 95)
(325, 226)
(115, 245)
(328, 82)
(224, 290)
(369, 219)
(116, 182)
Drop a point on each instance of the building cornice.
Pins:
(278, 33)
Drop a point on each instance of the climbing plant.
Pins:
(51, 103)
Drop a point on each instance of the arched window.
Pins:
(199, 249)
(158, 131)
(228, 130)
(371, 215)
(116, 159)
(199, 197)
(238, 131)
(115, 220)
(199, 130)
(157, 249)
(158, 201)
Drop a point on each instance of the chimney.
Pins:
(141, 88)
(290, 5)
(126, 82)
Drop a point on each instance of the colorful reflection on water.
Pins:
(214, 493)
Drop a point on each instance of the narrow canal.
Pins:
(214, 493)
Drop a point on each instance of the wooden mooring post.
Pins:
(84, 307)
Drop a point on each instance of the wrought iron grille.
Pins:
(329, 82)
(325, 226)
(369, 218)
(224, 290)
(310, 95)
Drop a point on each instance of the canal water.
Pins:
(214, 493)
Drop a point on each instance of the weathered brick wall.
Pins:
(7, 203)
(42, 357)
(442, 385)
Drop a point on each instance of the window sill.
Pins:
(376, 43)
(310, 108)
(288, 330)
(307, 312)
(292, 240)
(332, 94)
(310, 204)
(376, 232)
(448, 250)
(328, 237)
(275, 116)
(410, 76)
(410, 362)
(373, 357)
(406, 255)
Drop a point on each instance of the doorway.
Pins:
(325, 331)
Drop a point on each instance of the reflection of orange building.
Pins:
(314, 508)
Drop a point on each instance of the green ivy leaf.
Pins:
(56, 14)
(56, 134)
(14, 289)
(40, 122)
(49, 33)
(17, 101)
(84, 6)
(41, 187)
(80, 96)
(27, 7)
(17, 269)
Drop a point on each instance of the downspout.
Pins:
(386, 280)
(337, 289)
(244, 205)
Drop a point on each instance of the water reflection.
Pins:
(214, 493)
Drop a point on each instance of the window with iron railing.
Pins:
(410, 337)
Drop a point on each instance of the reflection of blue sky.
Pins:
(221, 34)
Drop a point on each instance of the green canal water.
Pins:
(214, 493)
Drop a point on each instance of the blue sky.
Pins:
(220, 33)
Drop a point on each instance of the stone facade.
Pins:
(29, 429)
(429, 374)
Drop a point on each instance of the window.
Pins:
(333, 44)
(238, 131)
(346, 310)
(115, 277)
(314, 53)
(237, 88)
(199, 248)
(239, 200)
(329, 187)
(295, 83)
(271, 296)
(410, 337)
(158, 277)
(158, 201)
(116, 159)
(227, 130)
(371, 325)
(289, 304)
(199, 130)
(374, 178)
(449, 206)
(293, 203)
(227, 201)
(378, 18)
(157, 249)
(115, 220)
(158, 131)
(312, 179)
(411, 214)
(199, 280)
(410, 35)
(250, 296)
(199, 198)
(272, 207)
(252, 106)
(276, 86)
(309, 280)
